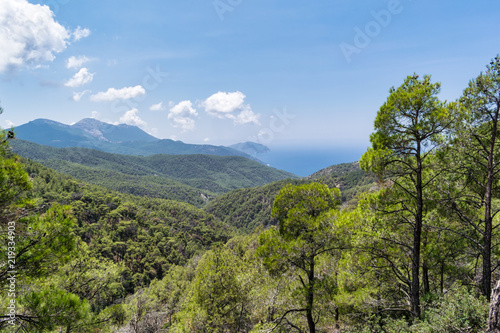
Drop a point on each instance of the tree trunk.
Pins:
(494, 317)
(486, 281)
(441, 285)
(417, 234)
(425, 267)
(310, 298)
(488, 220)
(425, 277)
(415, 267)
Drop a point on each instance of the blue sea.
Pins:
(304, 162)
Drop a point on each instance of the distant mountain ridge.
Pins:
(83, 133)
(113, 133)
(119, 139)
(251, 148)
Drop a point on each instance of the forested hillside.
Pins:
(126, 228)
(187, 178)
(412, 246)
(112, 244)
(251, 207)
(247, 208)
(348, 177)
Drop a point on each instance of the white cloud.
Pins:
(80, 33)
(247, 116)
(9, 124)
(77, 96)
(79, 79)
(114, 94)
(131, 118)
(181, 115)
(157, 107)
(76, 62)
(230, 105)
(29, 35)
(222, 102)
(95, 114)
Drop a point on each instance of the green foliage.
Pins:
(362, 287)
(171, 291)
(473, 155)
(38, 242)
(309, 232)
(458, 310)
(299, 209)
(410, 122)
(220, 293)
(95, 280)
(189, 178)
(14, 181)
(347, 177)
(53, 307)
(131, 241)
(229, 292)
(409, 126)
(248, 208)
(144, 235)
(479, 99)
(44, 241)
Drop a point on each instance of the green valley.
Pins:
(189, 178)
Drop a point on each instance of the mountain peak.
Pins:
(88, 132)
(43, 121)
(92, 127)
(111, 132)
(94, 123)
(88, 122)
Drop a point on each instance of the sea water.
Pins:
(306, 161)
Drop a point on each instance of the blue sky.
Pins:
(278, 72)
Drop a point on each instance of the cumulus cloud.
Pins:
(181, 115)
(114, 94)
(131, 118)
(80, 33)
(224, 103)
(157, 107)
(95, 114)
(246, 116)
(79, 79)
(76, 62)
(9, 124)
(29, 35)
(77, 96)
(230, 105)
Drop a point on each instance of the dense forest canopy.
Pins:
(408, 244)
